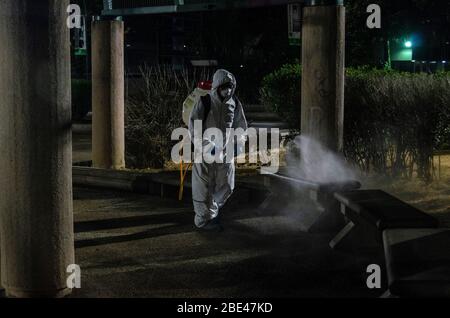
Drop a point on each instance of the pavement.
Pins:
(81, 148)
(131, 245)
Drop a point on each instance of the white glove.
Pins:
(211, 152)
(208, 146)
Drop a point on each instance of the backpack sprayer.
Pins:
(202, 89)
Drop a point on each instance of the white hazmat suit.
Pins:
(213, 183)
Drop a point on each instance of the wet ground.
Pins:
(140, 246)
(81, 143)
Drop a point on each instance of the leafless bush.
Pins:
(395, 121)
(153, 111)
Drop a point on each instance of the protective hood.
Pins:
(222, 77)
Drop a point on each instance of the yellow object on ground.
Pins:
(183, 178)
(183, 173)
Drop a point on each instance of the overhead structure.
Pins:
(136, 7)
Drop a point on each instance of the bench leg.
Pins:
(328, 218)
(356, 235)
(342, 235)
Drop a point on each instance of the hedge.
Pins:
(394, 121)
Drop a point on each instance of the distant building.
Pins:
(194, 36)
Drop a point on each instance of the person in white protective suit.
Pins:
(213, 183)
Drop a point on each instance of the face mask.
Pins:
(225, 93)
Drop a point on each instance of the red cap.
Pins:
(206, 85)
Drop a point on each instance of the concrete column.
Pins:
(108, 98)
(36, 222)
(2, 290)
(323, 53)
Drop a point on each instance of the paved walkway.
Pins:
(81, 143)
(139, 246)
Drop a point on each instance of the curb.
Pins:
(164, 184)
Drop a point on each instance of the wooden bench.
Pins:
(418, 262)
(369, 212)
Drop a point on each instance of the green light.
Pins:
(408, 44)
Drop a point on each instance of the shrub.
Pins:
(393, 121)
(281, 91)
(153, 111)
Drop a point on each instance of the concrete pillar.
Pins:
(2, 290)
(323, 53)
(36, 222)
(108, 98)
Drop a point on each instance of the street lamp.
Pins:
(408, 44)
